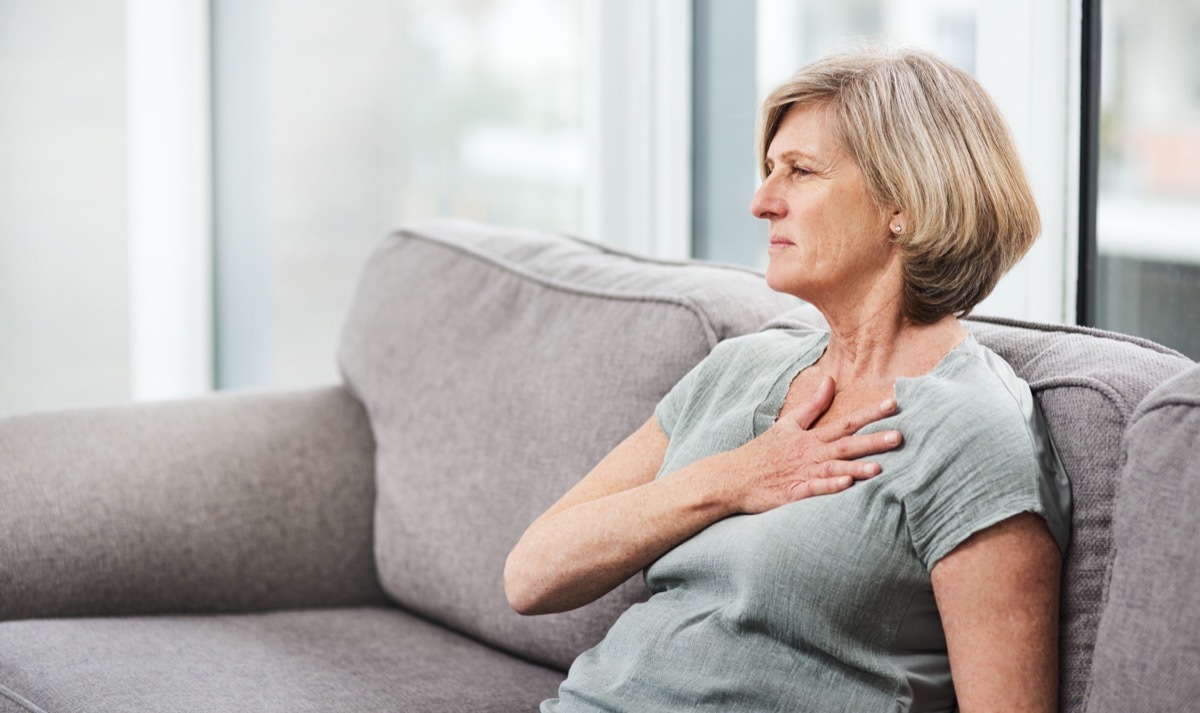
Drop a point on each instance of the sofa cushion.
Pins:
(1146, 653)
(1088, 383)
(497, 367)
(368, 659)
(231, 502)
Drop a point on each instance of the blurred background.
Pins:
(188, 188)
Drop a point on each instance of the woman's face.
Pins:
(829, 238)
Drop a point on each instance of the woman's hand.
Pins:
(619, 519)
(792, 461)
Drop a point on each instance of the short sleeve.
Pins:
(710, 379)
(671, 407)
(991, 462)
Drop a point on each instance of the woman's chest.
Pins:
(821, 568)
(846, 401)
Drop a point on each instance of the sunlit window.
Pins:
(795, 32)
(1148, 273)
(337, 122)
(64, 327)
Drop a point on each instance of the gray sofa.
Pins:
(341, 548)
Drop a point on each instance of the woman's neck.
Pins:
(882, 345)
(871, 341)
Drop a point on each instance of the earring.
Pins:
(897, 229)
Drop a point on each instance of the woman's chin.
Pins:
(782, 279)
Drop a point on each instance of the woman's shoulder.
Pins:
(972, 406)
(972, 381)
(984, 445)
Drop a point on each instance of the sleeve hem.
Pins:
(951, 541)
(662, 423)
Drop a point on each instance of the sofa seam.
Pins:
(686, 303)
(1173, 401)
(415, 229)
(20, 700)
(1116, 401)
(1075, 329)
(1108, 392)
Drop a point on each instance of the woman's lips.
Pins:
(778, 243)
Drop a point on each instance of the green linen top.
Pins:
(823, 604)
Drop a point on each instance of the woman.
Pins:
(788, 570)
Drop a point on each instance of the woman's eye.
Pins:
(800, 171)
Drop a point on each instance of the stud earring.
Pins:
(897, 229)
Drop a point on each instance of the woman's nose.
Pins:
(766, 203)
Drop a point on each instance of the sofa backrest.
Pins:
(1088, 383)
(1147, 657)
(497, 367)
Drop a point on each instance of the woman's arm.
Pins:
(619, 518)
(998, 595)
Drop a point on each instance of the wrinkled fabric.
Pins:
(824, 604)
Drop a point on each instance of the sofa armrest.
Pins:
(223, 503)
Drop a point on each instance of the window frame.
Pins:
(1089, 55)
(169, 140)
(637, 112)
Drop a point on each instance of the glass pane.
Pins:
(792, 33)
(336, 122)
(64, 326)
(1148, 272)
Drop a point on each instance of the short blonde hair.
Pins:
(931, 142)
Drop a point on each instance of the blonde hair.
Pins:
(931, 142)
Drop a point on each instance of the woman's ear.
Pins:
(898, 222)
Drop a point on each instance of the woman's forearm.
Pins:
(572, 556)
(619, 518)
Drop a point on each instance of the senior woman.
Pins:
(801, 554)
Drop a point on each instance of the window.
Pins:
(338, 122)
(1016, 49)
(64, 308)
(190, 186)
(1147, 271)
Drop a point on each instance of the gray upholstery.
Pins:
(354, 660)
(1088, 383)
(486, 371)
(229, 503)
(497, 368)
(1148, 647)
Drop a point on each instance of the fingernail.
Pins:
(892, 437)
(871, 469)
(888, 405)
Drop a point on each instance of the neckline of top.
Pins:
(773, 402)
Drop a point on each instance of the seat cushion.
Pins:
(497, 368)
(368, 659)
(1146, 653)
(1088, 383)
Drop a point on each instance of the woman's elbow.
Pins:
(519, 587)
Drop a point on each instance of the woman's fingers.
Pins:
(809, 411)
(818, 460)
(853, 447)
(836, 476)
(827, 486)
(851, 424)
